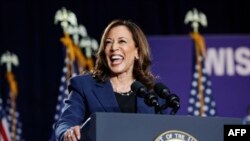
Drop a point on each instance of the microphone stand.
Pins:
(173, 102)
(164, 107)
(152, 100)
(174, 110)
(158, 109)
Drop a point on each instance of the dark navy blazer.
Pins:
(86, 97)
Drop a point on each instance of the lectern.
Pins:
(150, 127)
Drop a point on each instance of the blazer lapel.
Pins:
(106, 97)
(142, 107)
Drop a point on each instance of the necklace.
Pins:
(125, 93)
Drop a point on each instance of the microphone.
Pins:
(151, 99)
(172, 100)
(140, 90)
(162, 90)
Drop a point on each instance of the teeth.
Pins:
(116, 57)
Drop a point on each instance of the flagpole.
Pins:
(201, 102)
(199, 67)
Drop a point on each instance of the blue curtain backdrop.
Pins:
(27, 29)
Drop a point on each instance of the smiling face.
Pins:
(120, 50)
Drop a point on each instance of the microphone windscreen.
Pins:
(138, 88)
(161, 90)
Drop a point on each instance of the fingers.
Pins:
(68, 135)
(72, 134)
(77, 132)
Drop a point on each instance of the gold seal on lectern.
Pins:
(175, 135)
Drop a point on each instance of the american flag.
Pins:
(75, 61)
(14, 121)
(70, 69)
(13, 116)
(4, 127)
(63, 91)
(201, 102)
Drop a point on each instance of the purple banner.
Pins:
(227, 63)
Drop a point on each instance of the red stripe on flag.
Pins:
(3, 132)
